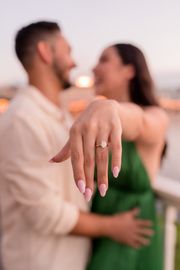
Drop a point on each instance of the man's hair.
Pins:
(27, 38)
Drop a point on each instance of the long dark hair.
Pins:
(141, 86)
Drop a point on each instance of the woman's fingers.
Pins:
(102, 154)
(63, 154)
(116, 149)
(77, 159)
(101, 120)
(89, 162)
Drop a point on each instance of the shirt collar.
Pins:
(44, 103)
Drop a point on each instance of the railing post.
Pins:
(170, 236)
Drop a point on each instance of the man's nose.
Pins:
(94, 70)
(73, 65)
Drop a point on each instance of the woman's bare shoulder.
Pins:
(159, 114)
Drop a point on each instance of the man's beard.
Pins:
(66, 84)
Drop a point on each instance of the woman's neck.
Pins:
(121, 95)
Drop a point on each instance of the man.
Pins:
(45, 224)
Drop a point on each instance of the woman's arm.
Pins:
(146, 125)
(106, 121)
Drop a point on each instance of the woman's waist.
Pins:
(123, 200)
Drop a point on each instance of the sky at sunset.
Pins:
(92, 25)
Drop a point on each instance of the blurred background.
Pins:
(154, 26)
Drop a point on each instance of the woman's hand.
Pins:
(96, 131)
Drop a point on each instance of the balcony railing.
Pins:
(168, 191)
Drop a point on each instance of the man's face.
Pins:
(62, 61)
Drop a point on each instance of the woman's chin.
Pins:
(99, 91)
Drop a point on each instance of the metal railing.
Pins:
(168, 190)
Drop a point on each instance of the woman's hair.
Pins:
(141, 86)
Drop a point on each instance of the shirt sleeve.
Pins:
(29, 177)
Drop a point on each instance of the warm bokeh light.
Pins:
(84, 82)
(3, 105)
(77, 106)
(170, 104)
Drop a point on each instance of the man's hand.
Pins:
(124, 228)
(96, 130)
(128, 229)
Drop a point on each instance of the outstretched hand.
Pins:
(94, 133)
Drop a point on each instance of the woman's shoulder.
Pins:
(158, 113)
(154, 126)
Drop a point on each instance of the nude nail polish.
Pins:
(88, 194)
(115, 171)
(81, 186)
(102, 190)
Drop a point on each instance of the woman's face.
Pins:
(111, 75)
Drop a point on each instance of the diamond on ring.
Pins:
(103, 144)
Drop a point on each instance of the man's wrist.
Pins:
(106, 226)
(93, 225)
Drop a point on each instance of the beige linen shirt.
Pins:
(39, 200)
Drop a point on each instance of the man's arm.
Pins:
(124, 228)
(30, 179)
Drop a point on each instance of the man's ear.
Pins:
(44, 52)
(130, 71)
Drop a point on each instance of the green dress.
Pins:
(131, 189)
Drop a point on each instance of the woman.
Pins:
(122, 74)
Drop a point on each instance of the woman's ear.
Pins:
(130, 71)
(44, 52)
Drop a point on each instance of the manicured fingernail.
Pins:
(115, 172)
(81, 186)
(88, 194)
(102, 190)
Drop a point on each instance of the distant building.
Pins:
(170, 93)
